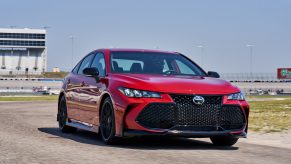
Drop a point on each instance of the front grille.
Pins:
(185, 115)
(192, 114)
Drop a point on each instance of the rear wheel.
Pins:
(63, 117)
(224, 140)
(107, 122)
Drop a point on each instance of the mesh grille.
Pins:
(231, 117)
(158, 115)
(192, 114)
(184, 114)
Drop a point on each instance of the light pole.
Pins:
(72, 57)
(250, 46)
(202, 54)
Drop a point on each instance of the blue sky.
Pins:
(223, 27)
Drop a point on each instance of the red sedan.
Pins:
(126, 92)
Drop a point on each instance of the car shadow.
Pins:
(144, 143)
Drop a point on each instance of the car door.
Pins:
(91, 91)
(77, 81)
(72, 87)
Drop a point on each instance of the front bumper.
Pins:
(130, 126)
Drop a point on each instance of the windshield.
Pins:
(153, 63)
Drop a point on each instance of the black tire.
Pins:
(107, 122)
(224, 140)
(63, 117)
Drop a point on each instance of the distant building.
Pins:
(23, 51)
(56, 69)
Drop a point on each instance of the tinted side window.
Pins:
(85, 63)
(99, 63)
(75, 70)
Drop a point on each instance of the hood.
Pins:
(175, 84)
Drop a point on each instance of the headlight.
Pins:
(236, 96)
(138, 93)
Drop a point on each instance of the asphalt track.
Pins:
(29, 134)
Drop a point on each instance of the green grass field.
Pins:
(267, 114)
(269, 96)
(270, 115)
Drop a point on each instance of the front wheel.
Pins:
(107, 122)
(63, 117)
(224, 140)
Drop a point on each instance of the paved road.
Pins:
(12, 84)
(29, 134)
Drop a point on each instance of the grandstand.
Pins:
(251, 77)
(23, 52)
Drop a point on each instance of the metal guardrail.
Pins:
(32, 79)
(251, 77)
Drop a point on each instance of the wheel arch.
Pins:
(60, 97)
(103, 97)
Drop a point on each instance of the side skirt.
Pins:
(83, 126)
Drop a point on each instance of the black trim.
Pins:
(196, 134)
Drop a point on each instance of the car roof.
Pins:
(134, 50)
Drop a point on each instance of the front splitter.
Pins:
(187, 134)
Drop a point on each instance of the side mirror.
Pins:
(213, 74)
(93, 72)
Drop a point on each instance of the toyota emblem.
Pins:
(199, 100)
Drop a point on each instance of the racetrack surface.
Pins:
(29, 134)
